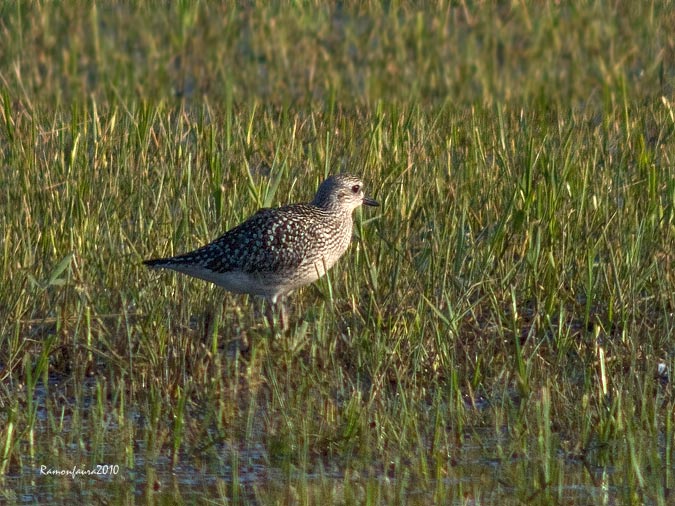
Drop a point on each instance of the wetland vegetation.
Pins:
(501, 330)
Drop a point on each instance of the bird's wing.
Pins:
(269, 241)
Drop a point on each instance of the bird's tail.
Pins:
(156, 263)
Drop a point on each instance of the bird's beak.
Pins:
(367, 201)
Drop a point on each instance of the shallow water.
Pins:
(470, 478)
(244, 472)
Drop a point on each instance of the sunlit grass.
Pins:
(500, 330)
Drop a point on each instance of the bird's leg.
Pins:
(279, 306)
(283, 319)
(269, 314)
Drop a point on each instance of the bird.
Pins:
(278, 250)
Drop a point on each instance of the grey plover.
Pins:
(278, 250)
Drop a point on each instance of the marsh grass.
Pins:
(501, 330)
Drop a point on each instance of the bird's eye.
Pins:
(356, 188)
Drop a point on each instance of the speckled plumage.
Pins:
(278, 250)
